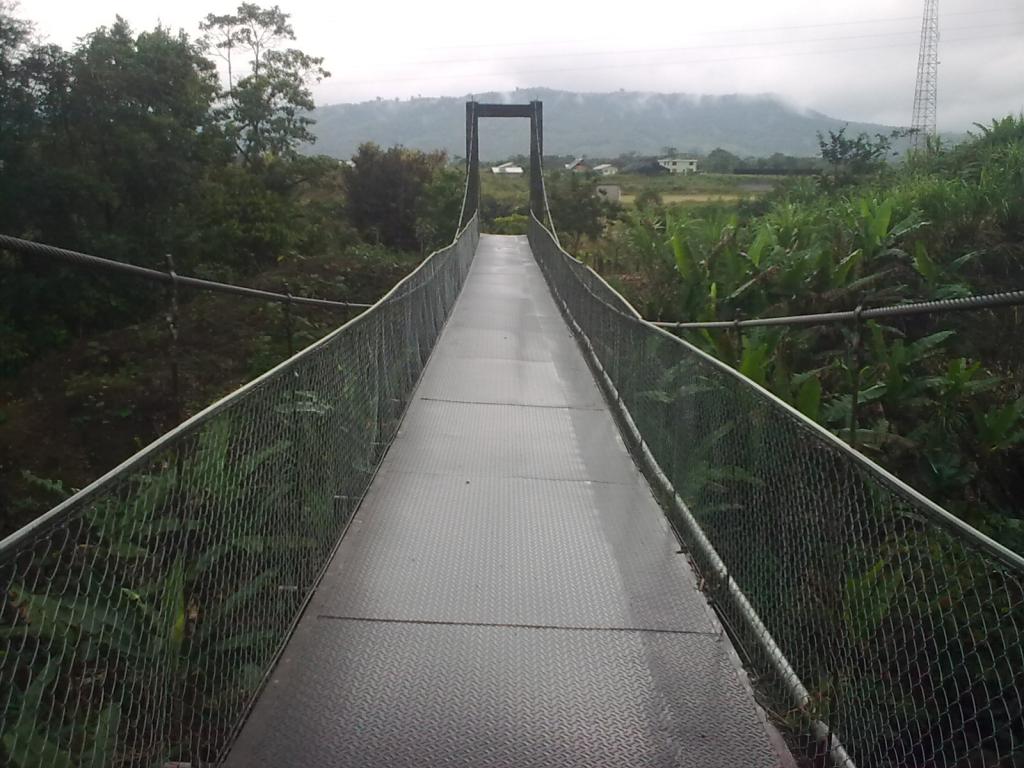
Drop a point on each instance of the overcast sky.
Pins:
(855, 61)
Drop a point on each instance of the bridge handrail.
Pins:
(139, 617)
(615, 301)
(799, 537)
(39, 524)
(860, 314)
(77, 258)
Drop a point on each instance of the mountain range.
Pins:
(585, 124)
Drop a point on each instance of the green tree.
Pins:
(108, 142)
(849, 158)
(577, 211)
(33, 84)
(721, 161)
(129, 147)
(649, 199)
(265, 110)
(102, 150)
(438, 208)
(384, 189)
(139, 113)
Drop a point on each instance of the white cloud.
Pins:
(856, 62)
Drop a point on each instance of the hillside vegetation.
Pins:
(940, 397)
(590, 124)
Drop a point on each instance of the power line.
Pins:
(620, 65)
(679, 49)
(740, 30)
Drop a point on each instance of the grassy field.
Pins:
(706, 184)
(513, 191)
(688, 198)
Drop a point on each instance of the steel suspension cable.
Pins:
(983, 301)
(31, 248)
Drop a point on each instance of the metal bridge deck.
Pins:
(509, 593)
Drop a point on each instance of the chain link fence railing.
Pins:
(139, 618)
(882, 630)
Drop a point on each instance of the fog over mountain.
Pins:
(588, 124)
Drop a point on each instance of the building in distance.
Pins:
(678, 164)
(508, 168)
(610, 192)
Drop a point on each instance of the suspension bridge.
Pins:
(500, 519)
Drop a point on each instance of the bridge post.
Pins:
(472, 159)
(470, 130)
(536, 158)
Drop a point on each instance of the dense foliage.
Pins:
(577, 213)
(939, 397)
(130, 146)
(133, 147)
(403, 198)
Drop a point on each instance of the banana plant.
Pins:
(90, 743)
(157, 596)
(1000, 428)
(876, 235)
(896, 368)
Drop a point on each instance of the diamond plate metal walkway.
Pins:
(509, 593)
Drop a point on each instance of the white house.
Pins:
(606, 169)
(578, 165)
(508, 168)
(678, 164)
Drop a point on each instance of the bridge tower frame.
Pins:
(534, 110)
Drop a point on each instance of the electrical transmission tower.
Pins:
(926, 92)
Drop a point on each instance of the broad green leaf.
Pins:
(808, 399)
(172, 613)
(926, 347)
(843, 269)
(882, 218)
(967, 258)
(765, 238)
(910, 224)
(754, 364)
(32, 699)
(685, 265)
(215, 618)
(869, 600)
(872, 393)
(27, 748)
(103, 751)
(112, 621)
(23, 743)
(924, 265)
(743, 289)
